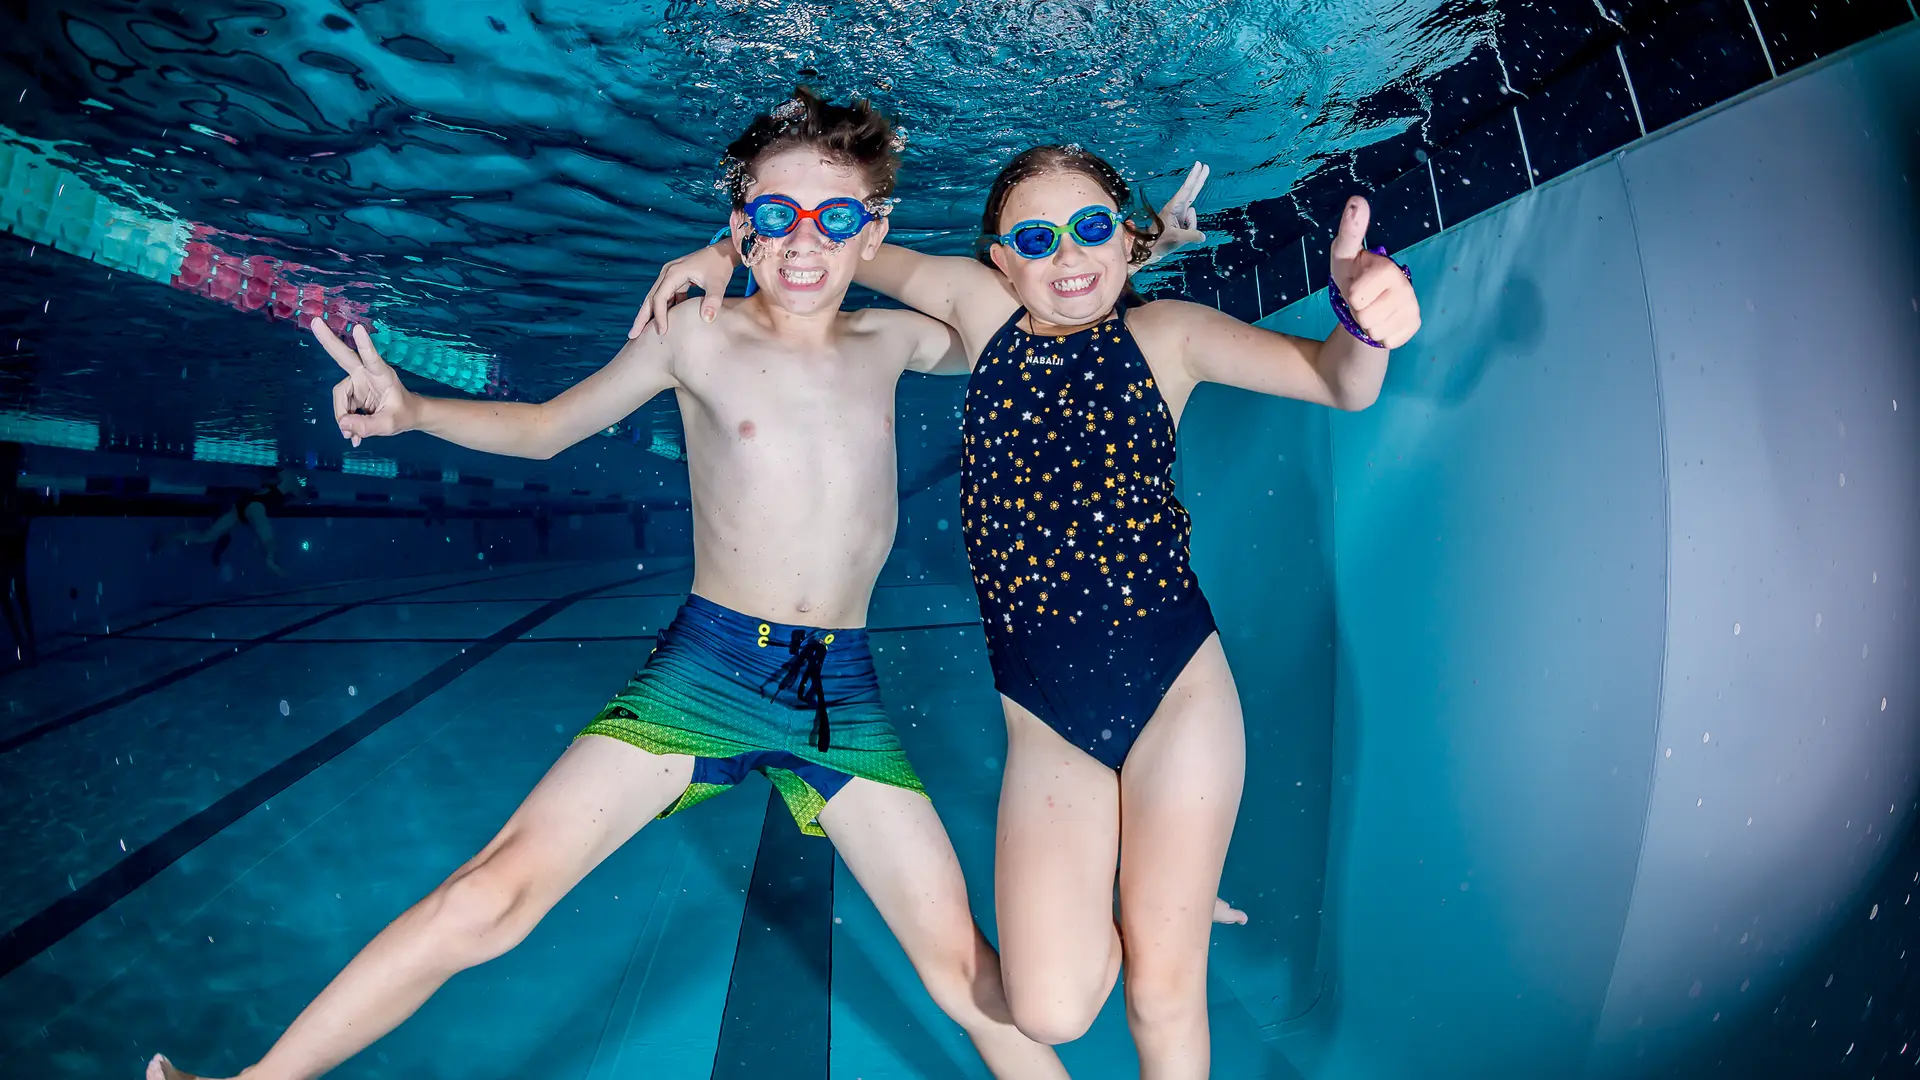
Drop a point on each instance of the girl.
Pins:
(1126, 751)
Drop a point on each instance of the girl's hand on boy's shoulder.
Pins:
(710, 268)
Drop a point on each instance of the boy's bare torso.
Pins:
(790, 453)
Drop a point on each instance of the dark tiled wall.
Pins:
(1554, 90)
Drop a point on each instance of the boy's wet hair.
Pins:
(856, 135)
(1049, 160)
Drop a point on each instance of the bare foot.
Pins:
(1223, 912)
(162, 1069)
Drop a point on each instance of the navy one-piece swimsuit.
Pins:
(1078, 545)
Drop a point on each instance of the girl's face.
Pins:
(1074, 285)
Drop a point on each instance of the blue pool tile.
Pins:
(1463, 95)
(1481, 169)
(1687, 57)
(1581, 115)
(1403, 210)
(1801, 31)
(1539, 39)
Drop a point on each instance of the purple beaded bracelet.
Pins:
(1345, 314)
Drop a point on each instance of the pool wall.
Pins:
(1623, 691)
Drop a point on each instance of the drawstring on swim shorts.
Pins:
(804, 668)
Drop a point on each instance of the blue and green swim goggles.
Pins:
(839, 220)
(1036, 239)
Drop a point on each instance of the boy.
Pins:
(788, 407)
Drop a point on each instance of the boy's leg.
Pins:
(900, 854)
(1180, 793)
(595, 797)
(1057, 850)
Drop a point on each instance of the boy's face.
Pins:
(804, 272)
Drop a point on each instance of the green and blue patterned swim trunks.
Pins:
(799, 704)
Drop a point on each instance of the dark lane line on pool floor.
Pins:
(86, 639)
(585, 638)
(239, 647)
(62, 917)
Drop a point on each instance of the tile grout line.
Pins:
(1526, 159)
(1632, 95)
(1433, 183)
(1772, 72)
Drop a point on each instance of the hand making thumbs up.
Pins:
(1377, 291)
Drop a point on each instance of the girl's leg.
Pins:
(1180, 789)
(900, 854)
(595, 797)
(1057, 846)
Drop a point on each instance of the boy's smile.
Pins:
(807, 272)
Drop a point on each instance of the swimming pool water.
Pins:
(1475, 628)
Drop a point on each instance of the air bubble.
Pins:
(1736, 629)
(285, 709)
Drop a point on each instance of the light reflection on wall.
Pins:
(49, 431)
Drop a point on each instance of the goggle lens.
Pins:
(774, 219)
(1035, 241)
(1094, 229)
(839, 220)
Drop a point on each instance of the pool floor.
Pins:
(211, 809)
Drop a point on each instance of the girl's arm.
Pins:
(952, 289)
(1342, 372)
(966, 294)
(1214, 347)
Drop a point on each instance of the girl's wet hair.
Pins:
(1050, 160)
(856, 135)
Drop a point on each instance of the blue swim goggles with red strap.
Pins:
(839, 220)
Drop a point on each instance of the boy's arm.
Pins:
(371, 401)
